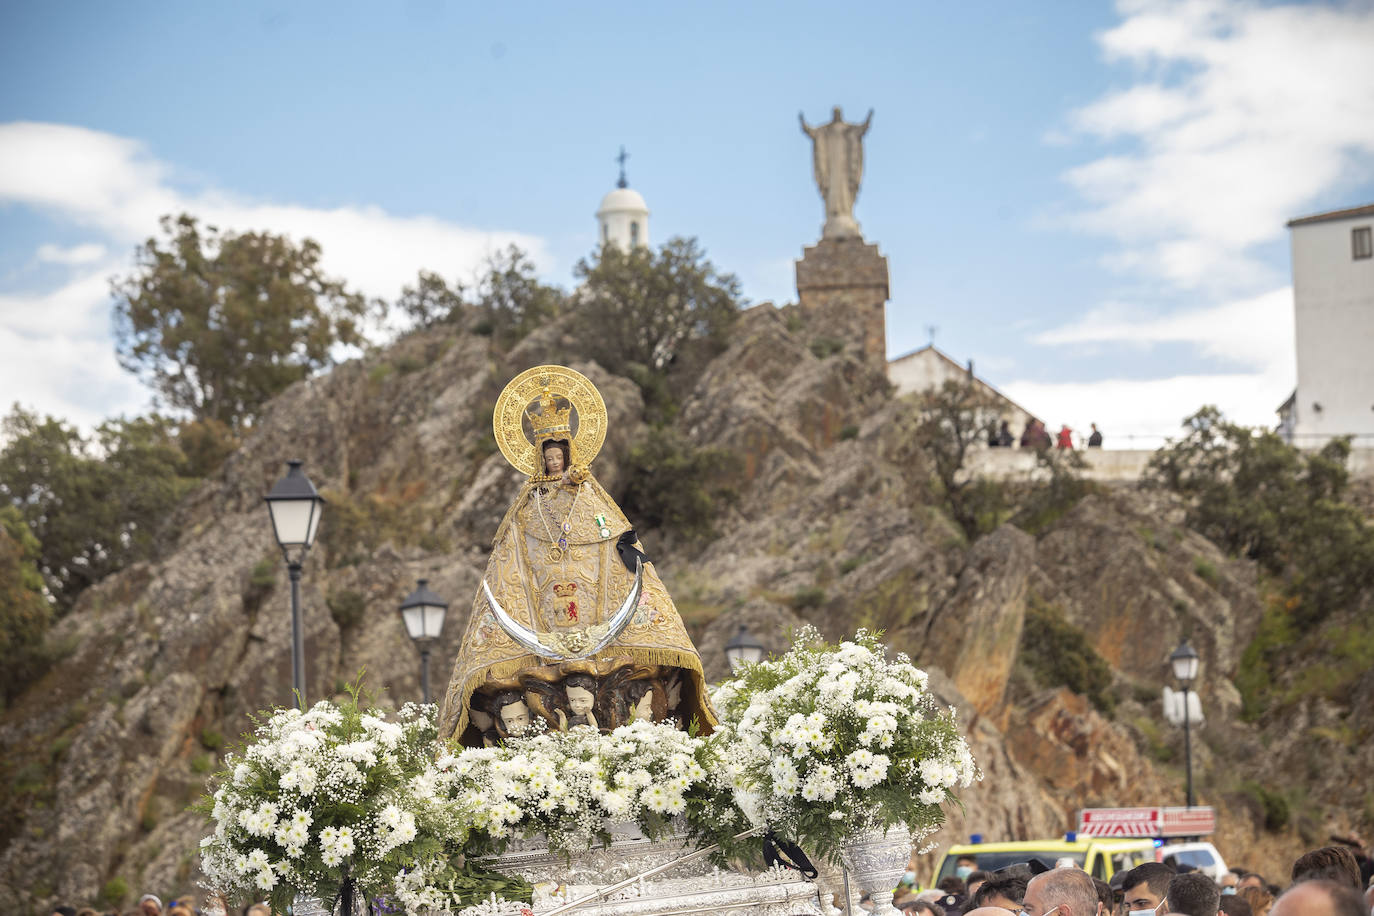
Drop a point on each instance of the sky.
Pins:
(1086, 199)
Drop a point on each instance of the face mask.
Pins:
(962, 872)
(909, 878)
(1228, 890)
(1022, 912)
(1146, 912)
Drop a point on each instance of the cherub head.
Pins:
(580, 689)
(510, 708)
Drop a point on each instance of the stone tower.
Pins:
(842, 281)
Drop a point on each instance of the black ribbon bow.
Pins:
(777, 851)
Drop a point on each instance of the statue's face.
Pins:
(515, 717)
(644, 709)
(837, 112)
(580, 700)
(553, 460)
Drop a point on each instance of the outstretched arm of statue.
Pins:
(867, 121)
(809, 131)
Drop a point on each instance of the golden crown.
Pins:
(548, 422)
(565, 591)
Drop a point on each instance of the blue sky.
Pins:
(1086, 199)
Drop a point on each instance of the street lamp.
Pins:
(423, 613)
(1185, 662)
(295, 506)
(744, 648)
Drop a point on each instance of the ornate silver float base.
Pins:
(696, 887)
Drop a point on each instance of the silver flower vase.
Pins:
(876, 861)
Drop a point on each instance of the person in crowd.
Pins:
(150, 904)
(1319, 897)
(965, 866)
(180, 910)
(1330, 863)
(258, 909)
(1065, 438)
(924, 907)
(1227, 882)
(1259, 898)
(1061, 892)
(973, 882)
(64, 910)
(1004, 436)
(1251, 879)
(1095, 438)
(1104, 894)
(1145, 887)
(1193, 894)
(1232, 905)
(1003, 890)
(86, 911)
(866, 903)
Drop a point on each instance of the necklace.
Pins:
(558, 547)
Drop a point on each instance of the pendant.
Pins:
(555, 554)
(605, 532)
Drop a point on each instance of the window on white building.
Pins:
(1361, 244)
(634, 233)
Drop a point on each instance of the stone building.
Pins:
(623, 217)
(1333, 310)
(928, 367)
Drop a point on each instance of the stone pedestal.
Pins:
(842, 290)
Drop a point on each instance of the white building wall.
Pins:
(927, 368)
(1333, 299)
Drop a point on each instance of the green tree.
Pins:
(675, 486)
(431, 300)
(93, 505)
(1257, 496)
(510, 300)
(953, 421)
(641, 310)
(217, 323)
(24, 608)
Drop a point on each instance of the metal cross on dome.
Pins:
(622, 183)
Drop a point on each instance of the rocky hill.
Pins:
(836, 523)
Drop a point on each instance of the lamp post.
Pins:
(744, 648)
(1185, 663)
(423, 613)
(295, 506)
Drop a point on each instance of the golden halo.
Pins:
(508, 420)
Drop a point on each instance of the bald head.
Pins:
(986, 911)
(1319, 898)
(1066, 891)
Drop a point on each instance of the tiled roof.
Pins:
(1351, 213)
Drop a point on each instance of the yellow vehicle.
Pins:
(1100, 857)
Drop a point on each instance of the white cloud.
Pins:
(77, 254)
(1252, 333)
(1241, 116)
(56, 344)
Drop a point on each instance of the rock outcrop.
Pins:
(835, 525)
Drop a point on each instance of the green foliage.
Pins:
(1058, 654)
(675, 486)
(210, 739)
(201, 764)
(431, 300)
(115, 892)
(510, 300)
(1273, 807)
(667, 311)
(848, 432)
(347, 607)
(822, 347)
(1205, 570)
(217, 323)
(1058, 490)
(25, 612)
(206, 443)
(953, 418)
(264, 573)
(1258, 497)
(808, 597)
(94, 505)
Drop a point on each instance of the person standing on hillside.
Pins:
(1095, 441)
(1065, 437)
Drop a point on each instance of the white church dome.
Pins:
(623, 200)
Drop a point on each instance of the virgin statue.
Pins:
(571, 625)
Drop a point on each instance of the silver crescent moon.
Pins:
(528, 639)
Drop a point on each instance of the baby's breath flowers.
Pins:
(340, 794)
(828, 742)
(573, 786)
